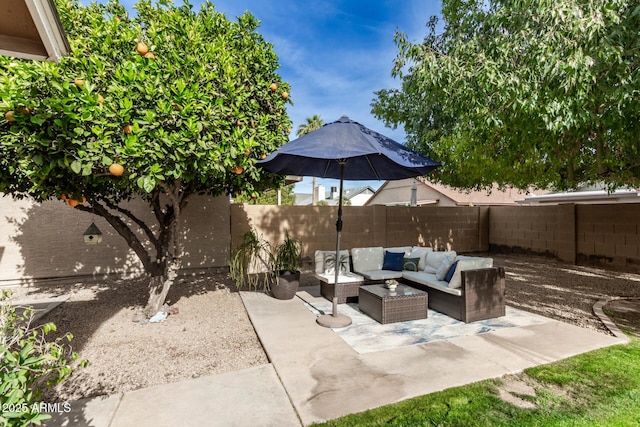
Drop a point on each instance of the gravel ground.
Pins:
(211, 333)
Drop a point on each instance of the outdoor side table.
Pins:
(401, 305)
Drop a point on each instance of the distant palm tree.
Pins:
(313, 123)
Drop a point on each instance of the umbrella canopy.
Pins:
(345, 149)
(369, 155)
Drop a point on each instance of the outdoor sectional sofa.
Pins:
(463, 287)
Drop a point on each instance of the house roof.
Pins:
(352, 192)
(588, 193)
(493, 196)
(305, 199)
(439, 193)
(31, 29)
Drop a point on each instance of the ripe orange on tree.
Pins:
(273, 87)
(142, 48)
(116, 169)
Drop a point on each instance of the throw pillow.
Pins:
(451, 271)
(410, 264)
(393, 261)
(443, 269)
(330, 262)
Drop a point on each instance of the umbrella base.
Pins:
(331, 321)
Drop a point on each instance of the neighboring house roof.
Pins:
(350, 193)
(353, 194)
(592, 194)
(429, 193)
(31, 29)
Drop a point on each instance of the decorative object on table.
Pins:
(391, 284)
(346, 150)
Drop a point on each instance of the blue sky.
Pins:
(334, 54)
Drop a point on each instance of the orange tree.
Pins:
(160, 106)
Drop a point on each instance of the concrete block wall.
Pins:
(45, 240)
(523, 228)
(609, 236)
(443, 228)
(599, 235)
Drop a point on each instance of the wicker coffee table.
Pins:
(405, 303)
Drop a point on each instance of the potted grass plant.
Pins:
(251, 263)
(258, 265)
(287, 258)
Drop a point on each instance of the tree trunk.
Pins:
(171, 251)
(159, 288)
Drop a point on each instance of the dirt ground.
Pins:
(211, 332)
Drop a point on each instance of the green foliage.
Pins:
(313, 123)
(523, 93)
(200, 109)
(250, 264)
(288, 255)
(268, 197)
(255, 261)
(594, 389)
(29, 365)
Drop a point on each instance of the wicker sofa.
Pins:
(463, 287)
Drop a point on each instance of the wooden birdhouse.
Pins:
(93, 235)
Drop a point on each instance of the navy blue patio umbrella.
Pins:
(346, 150)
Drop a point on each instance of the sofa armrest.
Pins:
(483, 291)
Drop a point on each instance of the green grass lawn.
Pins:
(600, 388)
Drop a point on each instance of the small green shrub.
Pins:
(29, 364)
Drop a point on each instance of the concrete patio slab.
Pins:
(250, 397)
(326, 379)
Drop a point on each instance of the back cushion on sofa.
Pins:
(433, 261)
(367, 259)
(420, 252)
(468, 263)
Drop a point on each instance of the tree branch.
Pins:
(123, 230)
(147, 230)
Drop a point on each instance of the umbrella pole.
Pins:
(335, 320)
